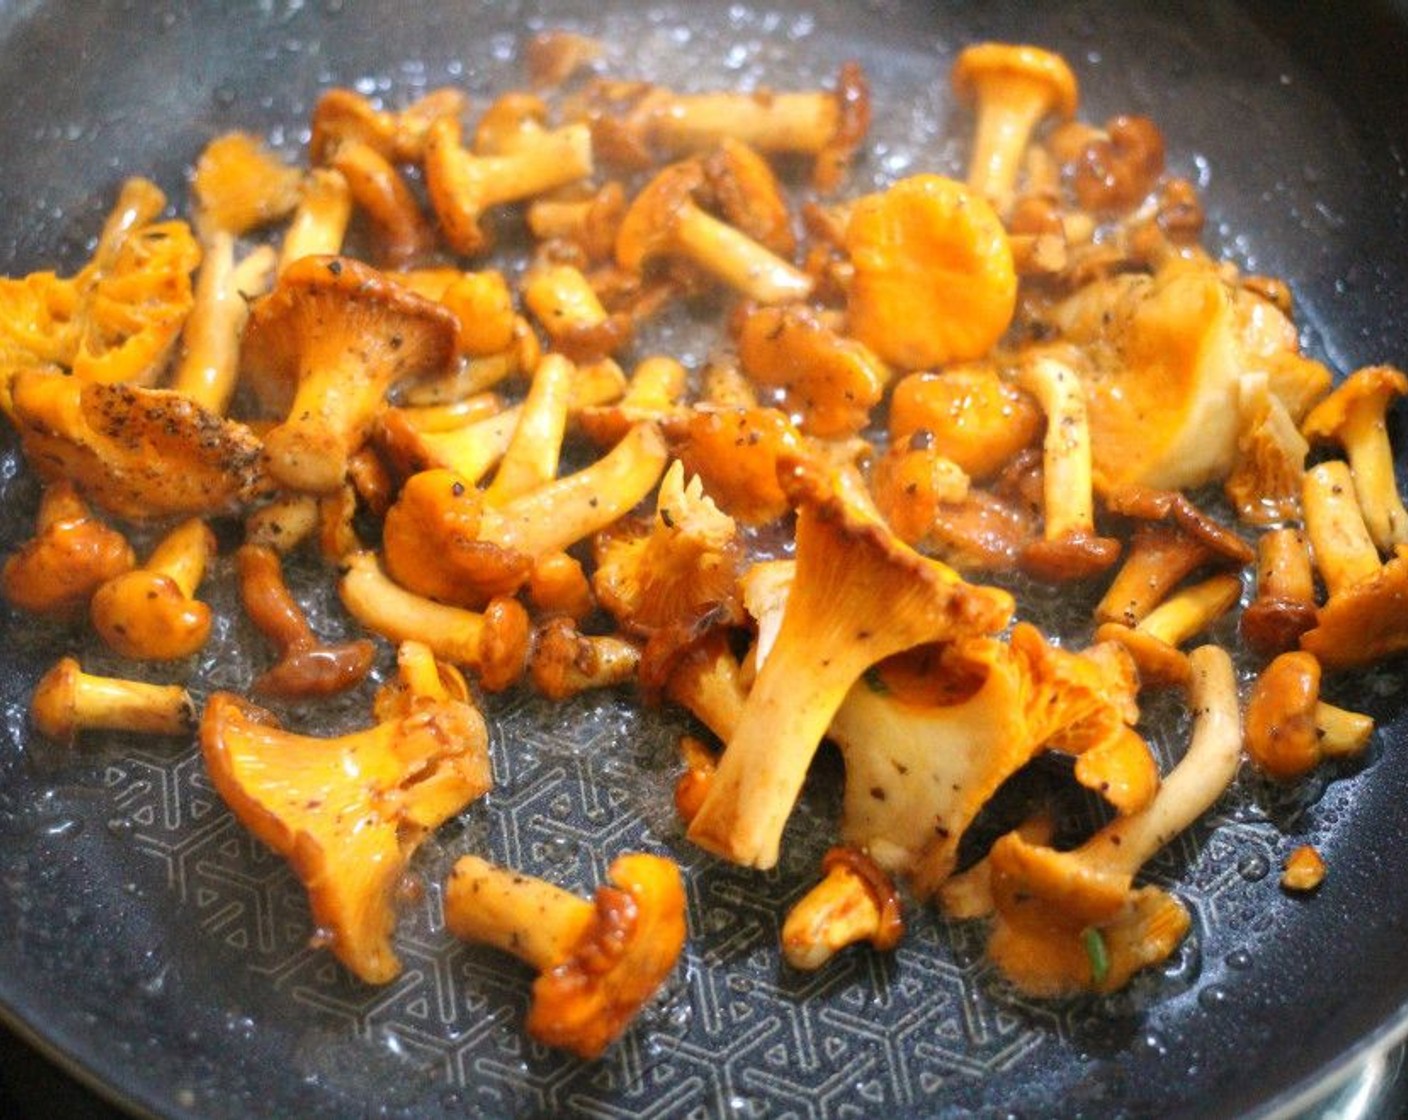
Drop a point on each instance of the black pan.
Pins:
(160, 953)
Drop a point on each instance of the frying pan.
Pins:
(160, 953)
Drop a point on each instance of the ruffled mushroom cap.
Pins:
(349, 812)
(142, 454)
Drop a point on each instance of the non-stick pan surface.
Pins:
(151, 943)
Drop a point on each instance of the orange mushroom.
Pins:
(598, 961)
(70, 556)
(149, 613)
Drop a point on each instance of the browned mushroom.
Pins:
(1289, 729)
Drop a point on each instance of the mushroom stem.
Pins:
(183, 555)
(320, 222)
(1158, 558)
(530, 459)
(566, 510)
(1341, 733)
(564, 302)
(1334, 522)
(306, 666)
(1206, 769)
(209, 364)
(854, 902)
(1284, 607)
(68, 701)
(495, 900)
(1191, 610)
(1069, 547)
(736, 259)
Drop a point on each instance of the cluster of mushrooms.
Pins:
(1037, 370)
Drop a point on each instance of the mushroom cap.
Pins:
(985, 65)
(327, 311)
(1165, 362)
(1366, 390)
(586, 1001)
(146, 616)
(142, 454)
(54, 704)
(58, 569)
(1364, 622)
(1281, 737)
(647, 228)
(432, 547)
(934, 277)
(1076, 555)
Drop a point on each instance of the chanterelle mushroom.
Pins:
(142, 454)
(599, 961)
(325, 346)
(348, 813)
(859, 595)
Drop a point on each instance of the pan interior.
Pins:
(147, 937)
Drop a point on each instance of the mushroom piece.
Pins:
(69, 557)
(1304, 870)
(348, 813)
(1070, 921)
(564, 302)
(655, 393)
(664, 221)
(565, 662)
(972, 417)
(1069, 548)
(150, 613)
(707, 680)
(323, 348)
(830, 382)
(1163, 360)
(1154, 642)
(493, 644)
(1343, 550)
(589, 223)
(736, 451)
(1365, 616)
(1354, 415)
(141, 454)
(1289, 729)
(67, 702)
(115, 320)
(852, 574)
(1015, 88)
(828, 125)
(569, 509)
(306, 666)
(463, 186)
(674, 580)
(934, 282)
(1284, 606)
(598, 961)
(400, 137)
(1267, 477)
(855, 901)
(1171, 539)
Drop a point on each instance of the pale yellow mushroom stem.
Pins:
(1344, 551)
